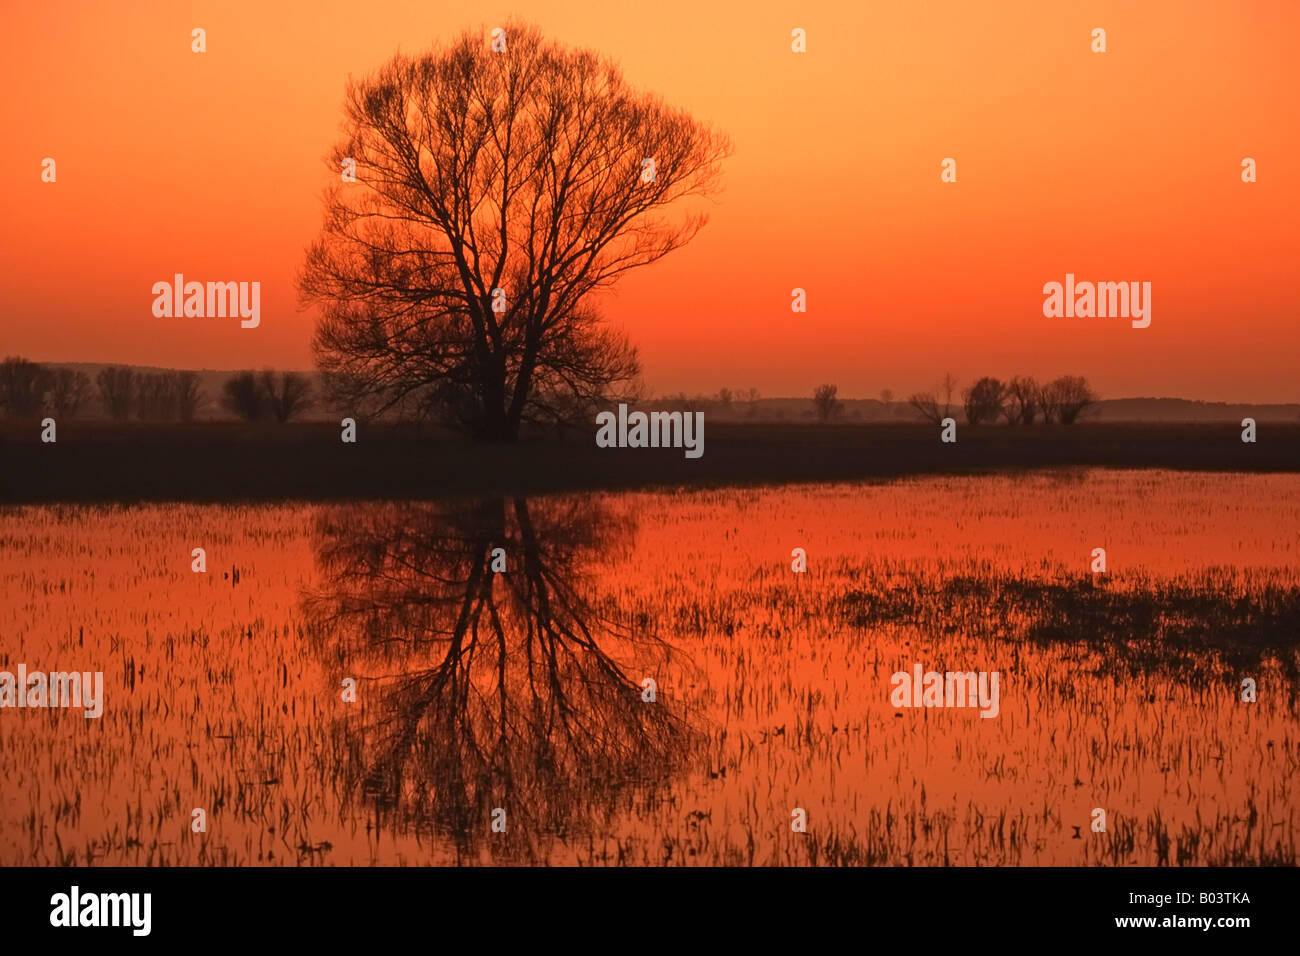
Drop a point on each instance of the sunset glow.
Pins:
(1125, 166)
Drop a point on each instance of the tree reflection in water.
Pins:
(480, 690)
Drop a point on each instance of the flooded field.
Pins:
(526, 691)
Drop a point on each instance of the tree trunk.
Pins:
(496, 421)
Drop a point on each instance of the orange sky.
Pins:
(1117, 166)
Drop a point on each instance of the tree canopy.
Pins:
(496, 190)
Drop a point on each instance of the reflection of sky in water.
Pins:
(225, 695)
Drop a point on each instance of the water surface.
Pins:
(524, 690)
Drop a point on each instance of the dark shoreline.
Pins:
(99, 462)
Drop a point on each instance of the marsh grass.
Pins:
(222, 690)
(1142, 624)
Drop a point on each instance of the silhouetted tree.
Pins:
(825, 402)
(1022, 398)
(23, 385)
(685, 403)
(286, 397)
(69, 392)
(983, 401)
(947, 389)
(243, 396)
(495, 191)
(157, 397)
(188, 394)
(927, 405)
(116, 391)
(1071, 397)
(937, 405)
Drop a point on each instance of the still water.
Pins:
(528, 691)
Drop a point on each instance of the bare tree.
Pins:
(927, 405)
(23, 385)
(117, 391)
(188, 394)
(887, 399)
(242, 395)
(751, 399)
(936, 405)
(495, 192)
(157, 397)
(686, 403)
(287, 397)
(1072, 397)
(1022, 401)
(69, 392)
(825, 402)
(947, 389)
(984, 400)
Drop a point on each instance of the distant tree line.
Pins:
(29, 389)
(24, 387)
(150, 396)
(266, 397)
(726, 401)
(730, 399)
(1020, 401)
